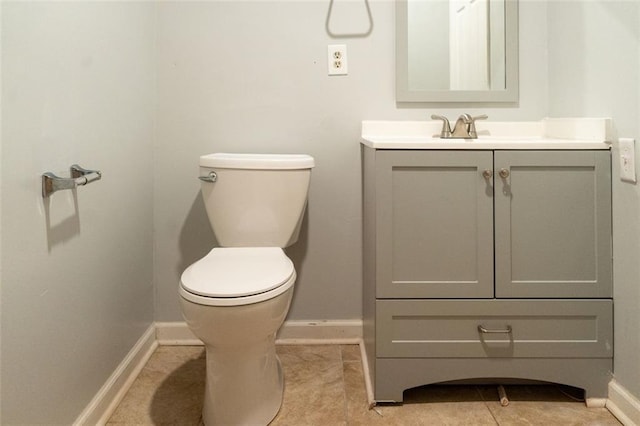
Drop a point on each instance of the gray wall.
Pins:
(593, 67)
(77, 291)
(252, 76)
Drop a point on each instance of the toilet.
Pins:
(236, 297)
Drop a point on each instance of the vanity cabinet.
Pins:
(487, 264)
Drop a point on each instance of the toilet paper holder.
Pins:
(79, 177)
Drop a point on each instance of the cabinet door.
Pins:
(434, 224)
(553, 224)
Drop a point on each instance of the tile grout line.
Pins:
(344, 387)
(487, 406)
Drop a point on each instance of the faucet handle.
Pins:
(472, 125)
(446, 127)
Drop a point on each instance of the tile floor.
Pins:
(325, 386)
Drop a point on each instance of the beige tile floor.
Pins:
(324, 385)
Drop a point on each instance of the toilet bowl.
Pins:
(235, 300)
(236, 297)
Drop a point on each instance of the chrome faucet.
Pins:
(465, 127)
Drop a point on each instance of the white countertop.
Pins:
(548, 134)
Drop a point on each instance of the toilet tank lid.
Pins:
(257, 161)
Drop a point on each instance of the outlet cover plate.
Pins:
(626, 147)
(337, 59)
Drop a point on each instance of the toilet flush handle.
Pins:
(211, 177)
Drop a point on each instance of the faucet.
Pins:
(465, 127)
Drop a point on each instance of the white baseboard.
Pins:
(596, 402)
(175, 334)
(367, 375)
(109, 396)
(292, 332)
(622, 404)
(327, 332)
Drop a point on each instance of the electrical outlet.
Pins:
(337, 59)
(627, 150)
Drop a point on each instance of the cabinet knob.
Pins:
(504, 173)
(487, 174)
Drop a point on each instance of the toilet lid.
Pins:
(238, 272)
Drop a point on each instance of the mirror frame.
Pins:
(405, 94)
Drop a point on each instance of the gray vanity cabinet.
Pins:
(488, 265)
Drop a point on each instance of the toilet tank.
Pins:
(256, 200)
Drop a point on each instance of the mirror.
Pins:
(456, 50)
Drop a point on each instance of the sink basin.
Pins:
(547, 134)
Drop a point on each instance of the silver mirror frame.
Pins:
(511, 92)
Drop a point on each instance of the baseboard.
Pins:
(321, 332)
(175, 334)
(622, 404)
(291, 332)
(367, 375)
(109, 396)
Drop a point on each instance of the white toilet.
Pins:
(236, 298)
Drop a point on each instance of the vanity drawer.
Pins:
(494, 328)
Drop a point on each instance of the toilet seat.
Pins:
(237, 276)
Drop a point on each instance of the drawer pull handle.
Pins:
(481, 329)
